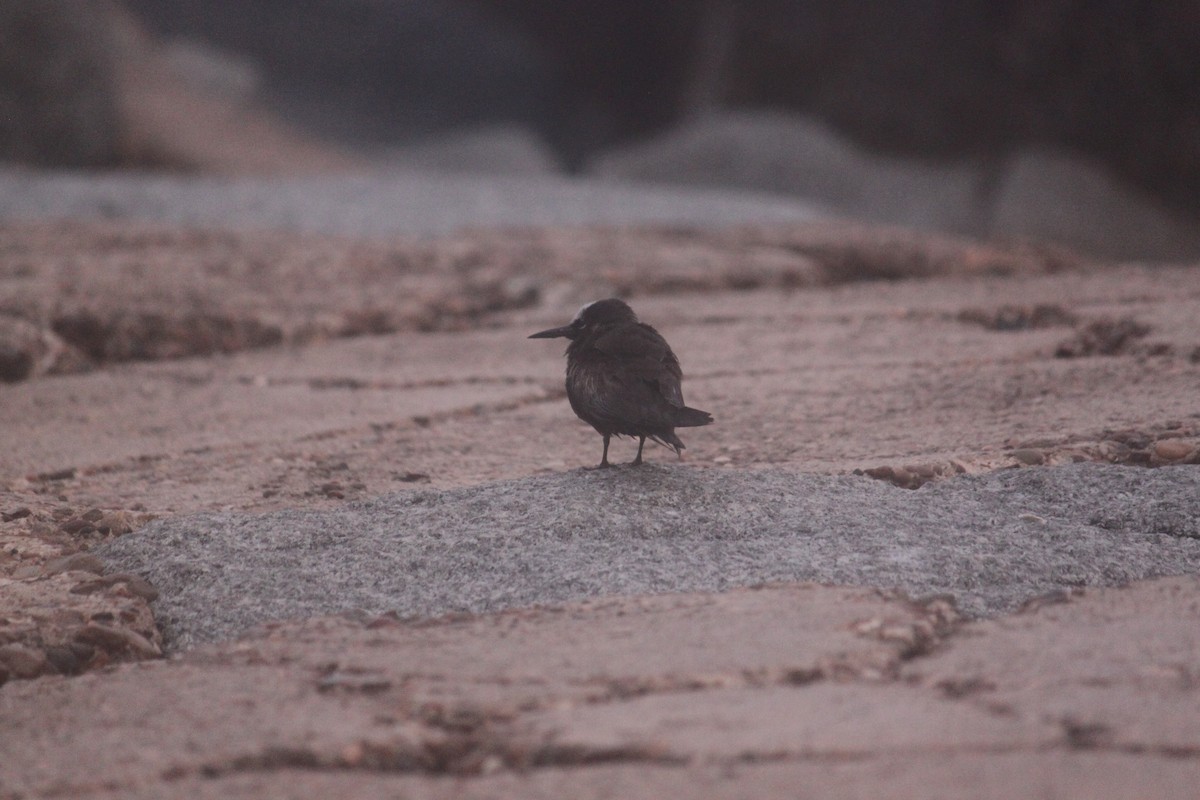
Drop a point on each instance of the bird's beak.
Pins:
(552, 333)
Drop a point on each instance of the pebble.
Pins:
(21, 661)
(1029, 456)
(115, 639)
(16, 513)
(81, 562)
(1132, 438)
(910, 476)
(1112, 451)
(64, 660)
(1172, 449)
(115, 522)
(136, 585)
(55, 475)
(77, 526)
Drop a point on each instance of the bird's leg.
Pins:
(604, 458)
(641, 444)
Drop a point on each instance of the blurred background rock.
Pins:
(58, 86)
(1060, 119)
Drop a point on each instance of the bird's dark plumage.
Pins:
(622, 378)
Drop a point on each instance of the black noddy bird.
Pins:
(623, 379)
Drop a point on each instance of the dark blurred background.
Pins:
(1114, 83)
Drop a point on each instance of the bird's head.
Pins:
(591, 317)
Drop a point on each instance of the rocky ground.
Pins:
(167, 382)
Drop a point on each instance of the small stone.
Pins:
(16, 513)
(64, 660)
(14, 364)
(114, 522)
(1172, 449)
(82, 651)
(135, 584)
(904, 634)
(55, 475)
(1029, 456)
(353, 755)
(1131, 438)
(22, 661)
(117, 639)
(77, 526)
(76, 562)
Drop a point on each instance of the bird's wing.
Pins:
(647, 356)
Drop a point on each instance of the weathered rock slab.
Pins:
(993, 541)
(750, 693)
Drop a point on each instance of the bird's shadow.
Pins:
(647, 468)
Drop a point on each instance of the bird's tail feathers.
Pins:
(670, 440)
(692, 418)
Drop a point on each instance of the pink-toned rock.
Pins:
(20, 661)
(739, 694)
(1173, 449)
(729, 695)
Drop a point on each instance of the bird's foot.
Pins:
(601, 465)
(638, 460)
